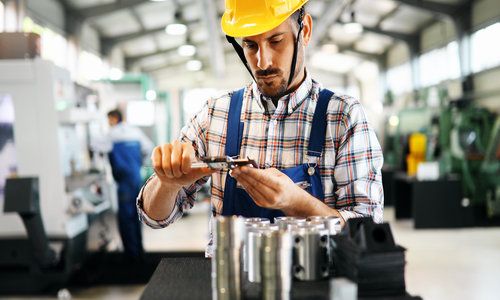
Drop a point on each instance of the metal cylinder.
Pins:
(332, 223)
(226, 275)
(253, 248)
(311, 253)
(251, 223)
(276, 265)
(285, 222)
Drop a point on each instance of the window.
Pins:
(439, 65)
(54, 46)
(399, 79)
(485, 48)
(2, 12)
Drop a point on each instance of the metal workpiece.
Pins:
(226, 273)
(332, 223)
(311, 253)
(252, 251)
(285, 222)
(257, 221)
(276, 265)
(254, 223)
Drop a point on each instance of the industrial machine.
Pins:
(464, 139)
(53, 178)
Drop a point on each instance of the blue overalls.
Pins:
(236, 200)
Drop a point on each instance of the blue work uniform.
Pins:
(129, 145)
(236, 200)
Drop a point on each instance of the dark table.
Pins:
(189, 278)
(431, 204)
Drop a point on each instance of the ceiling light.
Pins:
(186, 50)
(176, 29)
(194, 65)
(353, 27)
(394, 121)
(157, 0)
(330, 48)
(150, 95)
(115, 74)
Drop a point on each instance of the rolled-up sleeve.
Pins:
(193, 133)
(357, 174)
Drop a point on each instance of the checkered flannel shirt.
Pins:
(350, 164)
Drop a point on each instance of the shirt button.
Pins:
(275, 122)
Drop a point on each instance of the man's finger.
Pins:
(187, 154)
(261, 177)
(176, 159)
(156, 161)
(166, 155)
(261, 194)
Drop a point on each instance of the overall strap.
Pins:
(234, 130)
(318, 127)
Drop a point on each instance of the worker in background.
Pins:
(316, 152)
(126, 146)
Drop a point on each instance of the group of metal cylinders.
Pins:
(272, 254)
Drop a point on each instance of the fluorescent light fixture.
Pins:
(157, 0)
(115, 74)
(194, 65)
(330, 48)
(353, 28)
(394, 121)
(176, 29)
(150, 95)
(186, 50)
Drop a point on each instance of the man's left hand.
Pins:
(268, 188)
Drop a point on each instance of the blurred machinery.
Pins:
(463, 138)
(55, 180)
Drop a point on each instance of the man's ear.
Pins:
(307, 29)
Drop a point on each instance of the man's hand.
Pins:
(269, 188)
(172, 164)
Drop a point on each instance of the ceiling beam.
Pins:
(132, 60)
(392, 34)
(217, 60)
(104, 9)
(330, 16)
(445, 9)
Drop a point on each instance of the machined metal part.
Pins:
(276, 265)
(332, 223)
(285, 222)
(311, 253)
(343, 289)
(226, 274)
(252, 223)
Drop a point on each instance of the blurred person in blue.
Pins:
(126, 146)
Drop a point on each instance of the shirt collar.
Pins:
(291, 101)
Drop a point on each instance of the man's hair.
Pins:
(116, 114)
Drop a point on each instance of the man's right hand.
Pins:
(172, 164)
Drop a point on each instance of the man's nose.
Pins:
(264, 58)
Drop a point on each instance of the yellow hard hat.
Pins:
(251, 17)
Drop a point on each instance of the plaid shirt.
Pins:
(350, 164)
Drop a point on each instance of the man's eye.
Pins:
(276, 42)
(250, 45)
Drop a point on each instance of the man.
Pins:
(126, 146)
(316, 153)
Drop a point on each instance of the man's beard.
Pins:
(273, 92)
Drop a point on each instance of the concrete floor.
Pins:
(441, 264)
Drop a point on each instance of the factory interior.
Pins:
(75, 72)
